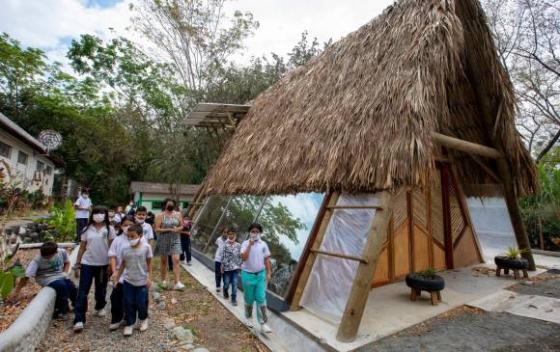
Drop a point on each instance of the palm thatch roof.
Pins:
(359, 117)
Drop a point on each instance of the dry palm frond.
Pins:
(359, 117)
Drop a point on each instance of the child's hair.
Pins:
(136, 228)
(48, 248)
(255, 226)
(126, 218)
(141, 209)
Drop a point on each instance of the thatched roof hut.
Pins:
(360, 116)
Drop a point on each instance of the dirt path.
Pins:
(194, 308)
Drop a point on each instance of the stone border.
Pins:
(28, 330)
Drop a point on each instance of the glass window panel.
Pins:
(287, 221)
(22, 158)
(5, 150)
(206, 221)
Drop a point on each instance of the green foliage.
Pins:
(7, 283)
(429, 273)
(63, 220)
(541, 212)
(514, 252)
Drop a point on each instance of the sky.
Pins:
(52, 24)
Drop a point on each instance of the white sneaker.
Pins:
(78, 327)
(266, 329)
(128, 330)
(144, 325)
(115, 326)
(249, 322)
(179, 286)
(101, 312)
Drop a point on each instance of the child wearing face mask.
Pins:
(135, 271)
(93, 263)
(140, 217)
(217, 262)
(256, 272)
(115, 259)
(230, 257)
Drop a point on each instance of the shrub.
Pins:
(63, 221)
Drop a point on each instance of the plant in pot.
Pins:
(512, 260)
(428, 281)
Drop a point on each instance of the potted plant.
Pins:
(512, 261)
(428, 281)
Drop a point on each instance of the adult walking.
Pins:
(168, 226)
(93, 263)
(82, 206)
(256, 272)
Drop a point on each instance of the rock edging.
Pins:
(29, 328)
(27, 331)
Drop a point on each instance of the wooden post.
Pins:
(304, 276)
(489, 104)
(359, 292)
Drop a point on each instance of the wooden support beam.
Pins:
(302, 282)
(359, 292)
(340, 255)
(488, 103)
(464, 146)
(486, 168)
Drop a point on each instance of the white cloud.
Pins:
(51, 24)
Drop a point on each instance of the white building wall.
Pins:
(26, 175)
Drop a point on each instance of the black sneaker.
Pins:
(226, 295)
(234, 303)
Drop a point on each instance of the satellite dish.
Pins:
(51, 139)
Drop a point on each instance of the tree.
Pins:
(527, 34)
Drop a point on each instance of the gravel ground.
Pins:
(97, 337)
(546, 284)
(471, 330)
(10, 312)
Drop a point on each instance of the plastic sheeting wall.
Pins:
(330, 281)
(492, 224)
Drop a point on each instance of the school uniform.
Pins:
(117, 295)
(135, 280)
(253, 277)
(217, 261)
(94, 269)
(49, 272)
(82, 216)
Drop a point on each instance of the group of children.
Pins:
(123, 256)
(252, 259)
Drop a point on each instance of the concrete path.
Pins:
(284, 338)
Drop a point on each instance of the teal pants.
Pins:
(254, 290)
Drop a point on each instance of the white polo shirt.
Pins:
(219, 242)
(148, 231)
(82, 202)
(259, 252)
(116, 250)
(97, 247)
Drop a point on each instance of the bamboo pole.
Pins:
(464, 146)
(359, 293)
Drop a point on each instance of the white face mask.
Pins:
(98, 218)
(125, 229)
(255, 236)
(140, 221)
(85, 196)
(134, 242)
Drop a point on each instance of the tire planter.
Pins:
(515, 264)
(418, 282)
